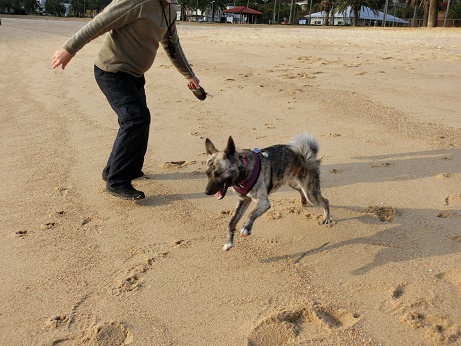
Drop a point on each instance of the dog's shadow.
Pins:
(399, 243)
(392, 167)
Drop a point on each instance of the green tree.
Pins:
(356, 5)
(7, 5)
(55, 8)
(30, 6)
(455, 13)
(184, 5)
(327, 6)
(98, 5)
(415, 4)
(19, 6)
(79, 8)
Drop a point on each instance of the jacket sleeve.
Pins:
(180, 61)
(114, 16)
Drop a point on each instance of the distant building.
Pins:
(366, 18)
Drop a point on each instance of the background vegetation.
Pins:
(425, 11)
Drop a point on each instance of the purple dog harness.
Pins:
(246, 185)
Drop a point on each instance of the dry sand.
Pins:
(79, 266)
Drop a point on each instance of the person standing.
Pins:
(135, 30)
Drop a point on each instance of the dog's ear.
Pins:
(210, 148)
(230, 149)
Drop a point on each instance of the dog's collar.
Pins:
(245, 186)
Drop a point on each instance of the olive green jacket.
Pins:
(135, 30)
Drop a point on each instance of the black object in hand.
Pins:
(199, 93)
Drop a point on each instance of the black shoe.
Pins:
(139, 175)
(125, 192)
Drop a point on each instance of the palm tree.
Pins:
(356, 5)
(426, 12)
(327, 6)
(98, 5)
(425, 4)
(415, 4)
(455, 13)
(433, 13)
(54, 7)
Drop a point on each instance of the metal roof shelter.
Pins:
(366, 17)
(243, 11)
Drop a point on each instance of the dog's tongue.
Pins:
(219, 195)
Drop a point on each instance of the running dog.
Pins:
(255, 174)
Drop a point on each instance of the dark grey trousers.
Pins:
(127, 98)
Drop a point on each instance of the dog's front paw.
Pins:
(244, 232)
(227, 246)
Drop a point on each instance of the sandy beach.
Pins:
(81, 267)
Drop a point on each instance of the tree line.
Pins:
(273, 10)
(52, 7)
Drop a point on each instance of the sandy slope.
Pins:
(81, 267)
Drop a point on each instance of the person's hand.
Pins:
(60, 57)
(195, 82)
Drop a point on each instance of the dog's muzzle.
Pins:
(220, 192)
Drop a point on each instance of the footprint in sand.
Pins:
(452, 276)
(418, 314)
(108, 333)
(132, 279)
(21, 234)
(443, 176)
(383, 213)
(181, 243)
(48, 225)
(91, 226)
(453, 199)
(332, 135)
(61, 191)
(398, 292)
(304, 323)
(56, 322)
(139, 262)
(291, 207)
(384, 164)
(439, 329)
(128, 284)
(446, 213)
(177, 164)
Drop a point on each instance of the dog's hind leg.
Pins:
(262, 206)
(241, 208)
(301, 193)
(315, 197)
(312, 193)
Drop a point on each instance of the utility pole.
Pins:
(292, 12)
(446, 14)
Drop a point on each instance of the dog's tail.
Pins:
(305, 145)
